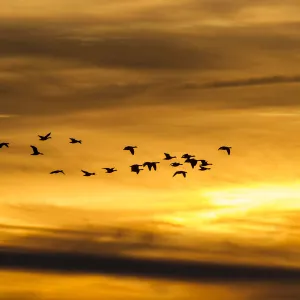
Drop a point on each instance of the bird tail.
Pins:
(79, 142)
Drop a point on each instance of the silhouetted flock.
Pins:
(136, 167)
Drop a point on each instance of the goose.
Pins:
(150, 165)
(168, 156)
(135, 168)
(192, 161)
(203, 168)
(186, 155)
(46, 137)
(4, 144)
(35, 151)
(180, 172)
(57, 171)
(86, 173)
(226, 148)
(130, 148)
(74, 141)
(176, 164)
(110, 170)
(204, 163)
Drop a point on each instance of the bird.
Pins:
(168, 156)
(46, 137)
(36, 151)
(130, 148)
(135, 168)
(176, 164)
(204, 163)
(203, 168)
(57, 171)
(180, 172)
(192, 161)
(86, 173)
(110, 170)
(186, 155)
(226, 148)
(4, 144)
(150, 165)
(74, 141)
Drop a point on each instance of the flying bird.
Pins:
(130, 148)
(57, 171)
(180, 172)
(46, 137)
(110, 170)
(226, 148)
(150, 165)
(168, 156)
(204, 163)
(186, 155)
(176, 164)
(36, 151)
(74, 141)
(4, 144)
(136, 168)
(192, 161)
(86, 173)
(203, 168)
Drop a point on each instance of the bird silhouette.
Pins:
(226, 148)
(74, 141)
(86, 173)
(136, 168)
(57, 171)
(110, 170)
(176, 164)
(192, 161)
(46, 137)
(4, 144)
(203, 168)
(130, 148)
(204, 163)
(186, 155)
(151, 165)
(168, 156)
(35, 151)
(180, 172)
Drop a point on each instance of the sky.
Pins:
(180, 76)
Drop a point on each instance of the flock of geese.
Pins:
(136, 167)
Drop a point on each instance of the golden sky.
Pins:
(171, 76)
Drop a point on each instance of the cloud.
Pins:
(276, 79)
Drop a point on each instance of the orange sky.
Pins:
(168, 76)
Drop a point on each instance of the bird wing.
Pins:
(106, 169)
(177, 172)
(47, 135)
(228, 150)
(167, 155)
(85, 172)
(72, 139)
(35, 150)
(184, 174)
(154, 166)
(131, 151)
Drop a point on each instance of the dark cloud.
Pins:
(150, 268)
(276, 79)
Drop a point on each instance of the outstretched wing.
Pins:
(73, 140)
(184, 174)
(228, 151)
(167, 155)
(154, 166)
(35, 150)
(47, 135)
(85, 172)
(177, 172)
(131, 151)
